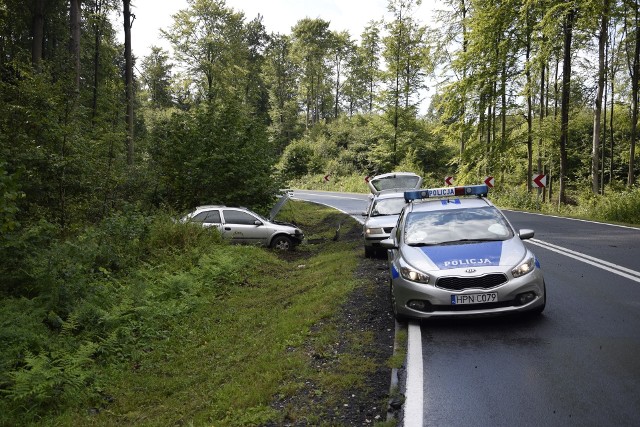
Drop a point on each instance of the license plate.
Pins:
(474, 298)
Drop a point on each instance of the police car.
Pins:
(453, 253)
(386, 203)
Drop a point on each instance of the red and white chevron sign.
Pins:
(448, 180)
(540, 180)
(489, 181)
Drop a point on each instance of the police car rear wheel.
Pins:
(282, 243)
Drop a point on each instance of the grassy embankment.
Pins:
(206, 333)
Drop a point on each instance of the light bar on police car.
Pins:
(466, 190)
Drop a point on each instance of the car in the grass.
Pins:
(453, 253)
(387, 200)
(241, 225)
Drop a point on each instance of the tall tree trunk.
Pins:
(335, 114)
(529, 105)
(371, 80)
(37, 30)
(611, 130)
(635, 77)
(128, 77)
(481, 120)
(465, 43)
(96, 57)
(75, 17)
(540, 120)
(396, 118)
(603, 153)
(503, 106)
(567, 28)
(597, 117)
(396, 114)
(556, 89)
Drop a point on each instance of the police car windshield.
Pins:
(388, 206)
(453, 226)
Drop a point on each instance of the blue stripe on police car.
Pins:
(465, 255)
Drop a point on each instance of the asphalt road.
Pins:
(577, 364)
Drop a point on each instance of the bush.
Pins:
(615, 206)
(515, 198)
(102, 297)
(295, 160)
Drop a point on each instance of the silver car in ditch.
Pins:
(240, 225)
(453, 253)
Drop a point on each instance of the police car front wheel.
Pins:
(394, 306)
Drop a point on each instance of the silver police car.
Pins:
(386, 202)
(240, 225)
(453, 253)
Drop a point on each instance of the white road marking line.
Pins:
(414, 404)
(596, 262)
(573, 219)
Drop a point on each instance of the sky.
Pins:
(278, 16)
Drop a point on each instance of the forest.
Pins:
(98, 146)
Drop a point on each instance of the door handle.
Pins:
(228, 228)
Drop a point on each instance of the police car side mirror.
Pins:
(365, 213)
(257, 222)
(525, 234)
(389, 243)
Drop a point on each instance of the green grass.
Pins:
(216, 336)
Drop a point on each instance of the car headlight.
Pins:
(374, 231)
(524, 268)
(413, 275)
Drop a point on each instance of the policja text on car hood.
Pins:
(507, 253)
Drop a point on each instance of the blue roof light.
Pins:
(466, 190)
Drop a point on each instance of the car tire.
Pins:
(369, 252)
(282, 243)
(399, 317)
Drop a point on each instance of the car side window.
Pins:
(208, 217)
(238, 217)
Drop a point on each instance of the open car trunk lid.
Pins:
(394, 181)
